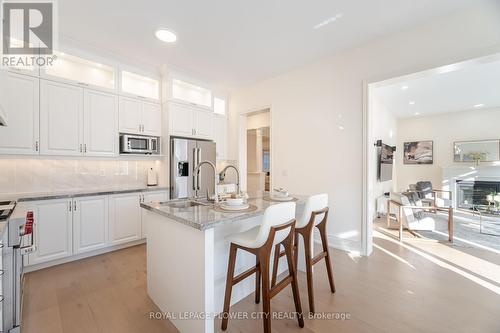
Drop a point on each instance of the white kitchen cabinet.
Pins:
(190, 121)
(220, 136)
(53, 231)
(90, 223)
(61, 119)
(151, 119)
(19, 98)
(203, 124)
(139, 117)
(149, 197)
(124, 218)
(181, 119)
(100, 124)
(130, 115)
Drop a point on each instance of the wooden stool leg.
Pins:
(266, 297)
(229, 285)
(324, 242)
(276, 261)
(309, 273)
(295, 287)
(257, 280)
(296, 251)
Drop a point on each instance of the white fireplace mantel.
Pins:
(468, 173)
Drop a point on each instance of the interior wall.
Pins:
(317, 109)
(444, 130)
(383, 126)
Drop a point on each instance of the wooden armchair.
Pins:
(406, 216)
(431, 196)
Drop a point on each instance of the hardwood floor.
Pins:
(415, 287)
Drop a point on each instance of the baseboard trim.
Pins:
(343, 244)
(89, 254)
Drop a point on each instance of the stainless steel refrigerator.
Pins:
(185, 154)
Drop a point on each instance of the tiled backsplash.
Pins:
(40, 175)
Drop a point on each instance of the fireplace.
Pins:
(473, 193)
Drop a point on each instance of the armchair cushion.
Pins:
(424, 189)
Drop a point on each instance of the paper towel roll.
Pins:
(152, 178)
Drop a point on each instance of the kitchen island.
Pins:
(187, 256)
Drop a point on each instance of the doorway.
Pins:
(256, 152)
(436, 112)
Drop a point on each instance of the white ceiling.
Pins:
(233, 42)
(450, 89)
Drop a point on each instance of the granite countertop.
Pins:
(204, 217)
(23, 197)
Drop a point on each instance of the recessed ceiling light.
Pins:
(478, 106)
(165, 35)
(417, 113)
(341, 128)
(404, 87)
(412, 103)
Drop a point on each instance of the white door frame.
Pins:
(242, 143)
(367, 222)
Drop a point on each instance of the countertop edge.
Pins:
(40, 197)
(206, 226)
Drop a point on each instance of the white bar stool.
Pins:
(277, 228)
(315, 215)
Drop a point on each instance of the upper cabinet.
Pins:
(140, 86)
(76, 121)
(19, 100)
(61, 119)
(100, 119)
(190, 121)
(86, 73)
(139, 117)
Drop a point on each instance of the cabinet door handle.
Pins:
(81, 148)
(85, 148)
(70, 206)
(74, 206)
(36, 145)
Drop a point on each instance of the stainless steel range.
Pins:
(17, 241)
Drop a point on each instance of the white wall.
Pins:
(311, 154)
(444, 129)
(383, 126)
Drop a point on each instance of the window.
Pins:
(265, 161)
(219, 106)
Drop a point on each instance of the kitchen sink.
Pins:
(184, 204)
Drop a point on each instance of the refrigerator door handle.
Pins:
(198, 158)
(195, 163)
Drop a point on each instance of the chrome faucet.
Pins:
(197, 172)
(223, 175)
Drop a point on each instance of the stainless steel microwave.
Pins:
(139, 144)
